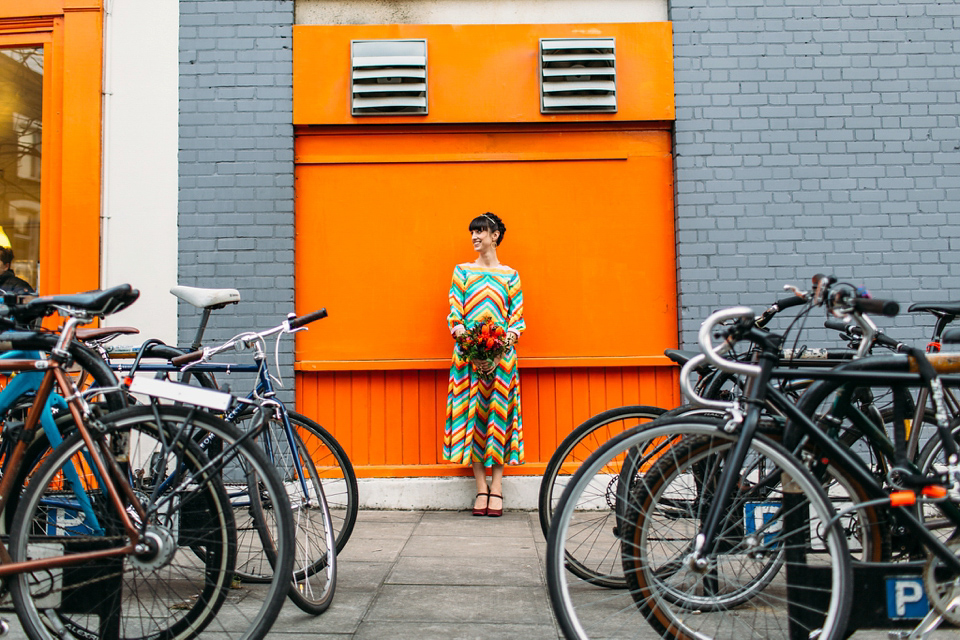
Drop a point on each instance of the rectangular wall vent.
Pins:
(389, 77)
(578, 75)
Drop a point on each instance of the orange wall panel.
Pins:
(481, 73)
(589, 214)
(402, 433)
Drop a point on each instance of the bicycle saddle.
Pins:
(101, 302)
(104, 333)
(944, 308)
(206, 298)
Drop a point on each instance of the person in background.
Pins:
(483, 425)
(9, 282)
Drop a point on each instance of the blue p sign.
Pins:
(905, 597)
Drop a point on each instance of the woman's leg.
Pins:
(480, 475)
(496, 487)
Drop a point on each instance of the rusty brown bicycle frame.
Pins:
(54, 373)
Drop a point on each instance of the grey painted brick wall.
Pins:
(816, 135)
(236, 164)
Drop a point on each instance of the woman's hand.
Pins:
(488, 366)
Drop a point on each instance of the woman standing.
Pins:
(483, 426)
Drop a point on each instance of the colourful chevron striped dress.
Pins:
(483, 418)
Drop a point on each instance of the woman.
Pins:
(483, 426)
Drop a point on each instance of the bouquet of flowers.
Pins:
(485, 340)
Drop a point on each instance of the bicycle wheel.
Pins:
(315, 555)
(748, 569)
(932, 460)
(169, 590)
(577, 447)
(334, 469)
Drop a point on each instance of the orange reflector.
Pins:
(902, 498)
(935, 492)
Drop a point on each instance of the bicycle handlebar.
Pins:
(705, 339)
(186, 358)
(296, 323)
(889, 308)
(292, 323)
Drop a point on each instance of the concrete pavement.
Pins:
(441, 575)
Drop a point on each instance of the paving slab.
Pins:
(441, 571)
(362, 576)
(343, 617)
(460, 605)
(510, 525)
(447, 631)
(377, 549)
(472, 546)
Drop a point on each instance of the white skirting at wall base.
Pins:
(442, 494)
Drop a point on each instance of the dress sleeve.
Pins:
(457, 291)
(515, 321)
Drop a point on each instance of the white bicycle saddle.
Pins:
(206, 298)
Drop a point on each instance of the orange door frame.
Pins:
(71, 34)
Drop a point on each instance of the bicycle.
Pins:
(337, 473)
(87, 518)
(728, 532)
(314, 574)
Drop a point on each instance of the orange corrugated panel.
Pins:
(597, 382)
(411, 417)
(579, 395)
(533, 430)
(343, 413)
(614, 386)
(428, 416)
(360, 390)
(442, 381)
(378, 416)
(631, 386)
(393, 421)
(393, 418)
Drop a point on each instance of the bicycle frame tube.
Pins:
(848, 461)
(53, 373)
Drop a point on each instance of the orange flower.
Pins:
(498, 331)
(485, 330)
(491, 342)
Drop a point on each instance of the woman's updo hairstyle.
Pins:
(489, 222)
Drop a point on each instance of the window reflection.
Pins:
(21, 103)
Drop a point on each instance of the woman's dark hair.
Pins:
(489, 222)
(6, 255)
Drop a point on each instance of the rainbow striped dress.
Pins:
(483, 418)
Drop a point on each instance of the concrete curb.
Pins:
(443, 494)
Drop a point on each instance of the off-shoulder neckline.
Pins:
(471, 265)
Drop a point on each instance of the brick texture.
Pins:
(236, 166)
(817, 136)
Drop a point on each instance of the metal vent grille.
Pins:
(578, 75)
(389, 77)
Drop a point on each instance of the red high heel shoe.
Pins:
(494, 513)
(481, 512)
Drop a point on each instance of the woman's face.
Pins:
(482, 240)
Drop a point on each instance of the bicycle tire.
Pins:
(335, 471)
(140, 606)
(584, 611)
(315, 555)
(577, 447)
